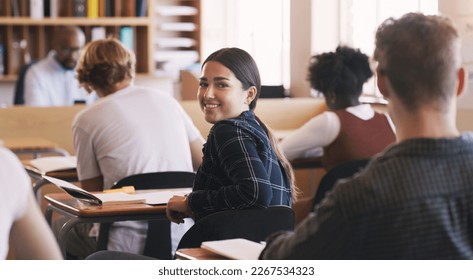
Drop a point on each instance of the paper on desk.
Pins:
(156, 197)
(96, 198)
(54, 163)
(162, 196)
(237, 248)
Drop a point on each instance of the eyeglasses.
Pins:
(69, 50)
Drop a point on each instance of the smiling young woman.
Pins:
(241, 167)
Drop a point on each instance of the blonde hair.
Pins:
(105, 63)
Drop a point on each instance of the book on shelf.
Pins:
(54, 163)
(235, 249)
(2, 59)
(141, 8)
(175, 42)
(176, 10)
(36, 9)
(79, 8)
(155, 197)
(98, 32)
(130, 9)
(117, 8)
(92, 8)
(51, 8)
(178, 26)
(126, 37)
(15, 8)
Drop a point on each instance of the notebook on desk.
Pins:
(236, 249)
(155, 197)
(55, 163)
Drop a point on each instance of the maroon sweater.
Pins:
(358, 139)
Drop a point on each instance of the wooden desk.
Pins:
(198, 254)
(80, 212)
(33, 145)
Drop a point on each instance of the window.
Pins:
(357, 23)
(260, 27)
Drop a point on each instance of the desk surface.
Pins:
(21, 145)
(73, 206)
(69, 175)
(198, 254)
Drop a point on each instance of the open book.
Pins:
(155, 197)
(58, 163)
(236, 249)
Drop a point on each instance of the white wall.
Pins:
(300, 46)
(461, 11)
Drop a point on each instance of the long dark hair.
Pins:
(246, 71)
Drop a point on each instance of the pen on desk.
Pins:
(125, 189)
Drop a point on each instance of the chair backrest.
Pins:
(158, 180)
(158, 239)
(252, 224)
(340, 171)
(18, 97)
(272, 91)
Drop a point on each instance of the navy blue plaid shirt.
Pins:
(239, 169)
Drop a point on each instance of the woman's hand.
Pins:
(177, 209)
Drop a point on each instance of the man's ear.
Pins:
(382, 82)
(461, 81)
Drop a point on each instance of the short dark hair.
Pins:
(420, 56)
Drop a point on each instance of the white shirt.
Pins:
(14, 188)
(134, 130)
(47, 83)
(319, 132)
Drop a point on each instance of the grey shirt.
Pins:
(414, 201)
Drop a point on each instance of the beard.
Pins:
(68, 64)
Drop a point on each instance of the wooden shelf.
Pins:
(81, 21)
(177, 40)
(24, 37)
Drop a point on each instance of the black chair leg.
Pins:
(158, 243)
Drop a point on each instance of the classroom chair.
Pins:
(341, 171)
(18, 97)
(303, 207)
(277, 91)
(158, 240)
(252, 224)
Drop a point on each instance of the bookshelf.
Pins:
(25, 35)
(176, 35)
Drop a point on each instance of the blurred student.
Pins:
(349, 130)
(22, 225)
(130, 130)
(415, 200)
(51, 81)
(242, 167)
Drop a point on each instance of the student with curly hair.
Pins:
(349, 130)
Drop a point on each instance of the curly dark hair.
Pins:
(342, 72)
